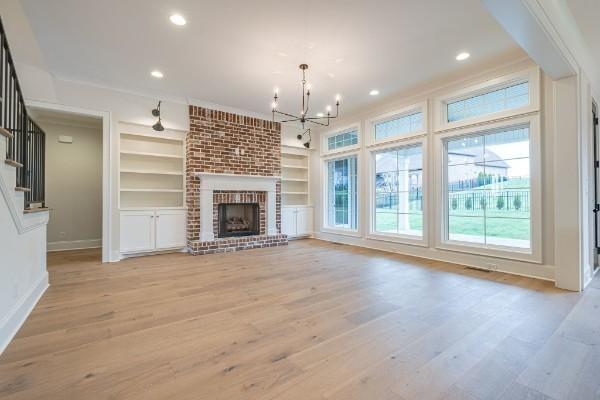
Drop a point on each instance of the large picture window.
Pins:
(342, 193)
(399, 191)
(488, 192)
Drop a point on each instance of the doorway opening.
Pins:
(74, 179)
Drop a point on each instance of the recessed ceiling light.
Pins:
(320, 115)
(178, 19)
(339, 60)
(374, 92)
(157, 74)
(282, 54)
(331, 75)
(462, 56)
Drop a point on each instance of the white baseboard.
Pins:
(12, 322)
(530, 270)
(75, 245)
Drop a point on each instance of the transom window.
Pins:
(342, 193)
(399, 126)
(488, 188)
(399, 191)
(506, 98)
(341, 140)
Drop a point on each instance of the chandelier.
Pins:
(303, 118)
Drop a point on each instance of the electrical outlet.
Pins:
(492, 266)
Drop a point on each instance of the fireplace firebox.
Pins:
(238, 219)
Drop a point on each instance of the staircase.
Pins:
(23, 213)
(25, 140)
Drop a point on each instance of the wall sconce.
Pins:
(308, 137)
(158, 125)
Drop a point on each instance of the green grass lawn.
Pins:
(501, 224)
(386, 221)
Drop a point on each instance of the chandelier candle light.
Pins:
(304, 119)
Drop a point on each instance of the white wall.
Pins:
(23, 276)
(74, 186)
(546, 269)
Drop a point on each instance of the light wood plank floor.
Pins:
(312, 320)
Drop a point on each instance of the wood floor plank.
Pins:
(312, 320)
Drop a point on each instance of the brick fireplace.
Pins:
(232, 160)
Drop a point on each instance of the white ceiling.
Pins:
(587, 16)
(233, 52)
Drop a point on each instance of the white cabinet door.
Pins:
(137, 231)
(304, 221)
(288, 221)
(170, 229)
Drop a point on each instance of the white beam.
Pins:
(529, 26)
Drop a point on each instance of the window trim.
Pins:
(325, 192)
(423, 241)
(325, 136)
(531, 75)
(534, 254)
(370, 139)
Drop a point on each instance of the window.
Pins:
(342, 140)
(342, 193)
(488, 192)
(399, 126)
(506, 98)
(399, 191)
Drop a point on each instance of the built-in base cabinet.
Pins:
(152, 230)
(296, 221)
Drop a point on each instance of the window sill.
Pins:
(400, 239)
(524, 255)
(341, 231)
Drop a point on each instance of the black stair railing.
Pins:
(26, 148)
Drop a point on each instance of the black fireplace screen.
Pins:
(237, 219)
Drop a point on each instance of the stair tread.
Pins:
(22, 189)
(13, 163)
(34, 210)
(4, 132)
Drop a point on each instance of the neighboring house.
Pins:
(468, 165)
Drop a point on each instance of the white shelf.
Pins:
(152, 190)
(151, 208)
(149, 136)
(295, 179)
(294, 166)
(150, 172)
(146, 154)
(298, 193)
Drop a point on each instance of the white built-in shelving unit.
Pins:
(296, 216)
(294, 176)
(152, 168)
(151, 189)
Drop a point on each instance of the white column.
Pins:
(206, 215)
(271, 212)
